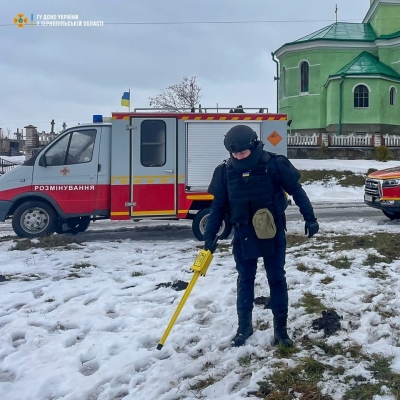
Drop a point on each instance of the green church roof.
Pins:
(341, 31)
(367, 64)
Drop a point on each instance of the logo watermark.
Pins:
(55, 20)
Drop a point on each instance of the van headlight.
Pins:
(391, 183)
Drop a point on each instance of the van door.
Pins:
(67, 171)
(153, 172)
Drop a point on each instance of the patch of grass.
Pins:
(310, 270)
(295, 240)
(245, 361)
(353, 350)
(301, 267)
(312, 304)
(331, 350)
(45, 242)
(201, 384)
(344, 178)
(23, 244)
(385, 243)
(374, 274)
(262, 325)
(373, 259)
(381, 371)
(137, 273)
(341, 263)
(368, 297)
(30, 277)
(81, 265)
(286, 352)
(363, 391)
(327, 280)
(384, 313)
(74, 275)
(337, 371)
(302, 380)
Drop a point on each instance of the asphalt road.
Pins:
(181, 230)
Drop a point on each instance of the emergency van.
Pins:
(382, 191)
(148, 163)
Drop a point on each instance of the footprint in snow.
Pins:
(18, 339)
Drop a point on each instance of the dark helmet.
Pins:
(240, 138)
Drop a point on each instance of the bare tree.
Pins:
(177, 97)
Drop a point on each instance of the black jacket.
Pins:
(241, 192)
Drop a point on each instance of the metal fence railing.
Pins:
(6, 166)
(297, 139)
(391, 140)
(351, 140)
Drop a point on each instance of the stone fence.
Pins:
(352, 146)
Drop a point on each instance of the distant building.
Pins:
(344, 78)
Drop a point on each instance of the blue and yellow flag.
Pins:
(126, 99)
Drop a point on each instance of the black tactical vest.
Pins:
(249, 191)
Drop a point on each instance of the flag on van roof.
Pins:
(126, 99)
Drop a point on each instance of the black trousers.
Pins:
(275, 269)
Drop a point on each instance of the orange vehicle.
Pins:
(382, 191)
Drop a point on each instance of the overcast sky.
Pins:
(69, 74)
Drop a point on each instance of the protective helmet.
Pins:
(240, 138)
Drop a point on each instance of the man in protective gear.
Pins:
(251, 187)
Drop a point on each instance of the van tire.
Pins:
(78, 224)
(200, 221)
(34, 219)
(392, 216)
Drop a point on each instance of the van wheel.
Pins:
(78, 224)
(200, 222)
(34, 219)
(392, 216)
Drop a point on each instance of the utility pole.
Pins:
(336, 12)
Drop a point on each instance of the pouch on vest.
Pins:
(264, 224)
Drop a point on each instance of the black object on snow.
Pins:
(3, 278)
(263, 301)
(330, 322)
(178, 285)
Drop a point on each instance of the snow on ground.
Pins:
(83, 322)
(324, 192)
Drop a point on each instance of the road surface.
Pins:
(181, 230)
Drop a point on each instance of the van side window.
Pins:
(153, 143)
(81, 147)
(74, 148)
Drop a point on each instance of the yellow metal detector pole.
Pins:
(200, 266)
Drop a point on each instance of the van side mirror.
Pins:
(42, 161)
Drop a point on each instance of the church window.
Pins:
(304, 76)
(361, 96)
(392, 96)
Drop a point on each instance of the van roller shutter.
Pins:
(206, 150)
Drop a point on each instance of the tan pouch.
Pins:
(264, 224)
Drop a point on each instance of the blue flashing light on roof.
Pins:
(97, 118)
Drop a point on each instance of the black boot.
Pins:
(244, 331)
(280, 333)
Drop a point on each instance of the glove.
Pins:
(311, 227)
(210, 244)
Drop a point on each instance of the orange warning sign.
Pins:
(274, 138)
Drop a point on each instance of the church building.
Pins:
(344, 78)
